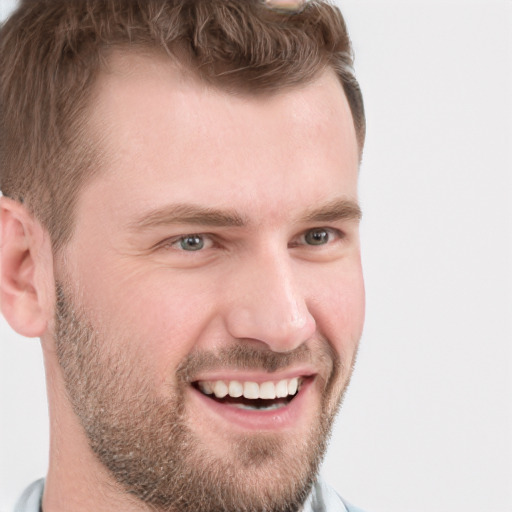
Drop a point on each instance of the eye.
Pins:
(320, 236)
(190, 243)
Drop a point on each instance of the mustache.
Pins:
(319, 354)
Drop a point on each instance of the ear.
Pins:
(26, 270)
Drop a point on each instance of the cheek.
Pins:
(157, 317)
(339, 308)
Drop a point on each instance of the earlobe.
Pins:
(22, 294)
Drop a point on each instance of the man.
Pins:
(180, 228)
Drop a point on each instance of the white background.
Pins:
(427, 423)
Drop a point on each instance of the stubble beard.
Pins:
(147, 445)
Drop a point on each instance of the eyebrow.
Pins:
(338, 209)
(188, 214)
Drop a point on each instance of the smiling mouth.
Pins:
(248, 395)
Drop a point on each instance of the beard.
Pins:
(146, 442)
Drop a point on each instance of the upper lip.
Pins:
(257, 376)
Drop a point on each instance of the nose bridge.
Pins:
(270, 305)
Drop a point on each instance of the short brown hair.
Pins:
(51, 52)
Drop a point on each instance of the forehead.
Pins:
(164, 135)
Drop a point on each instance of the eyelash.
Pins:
(170, 242)
(337, 234)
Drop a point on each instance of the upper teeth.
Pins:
(252, 390)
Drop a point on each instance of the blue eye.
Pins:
(191, 243)
(317, 236)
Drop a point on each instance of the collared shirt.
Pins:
(322, 499)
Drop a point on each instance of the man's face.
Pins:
(216, 252)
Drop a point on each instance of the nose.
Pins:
(266, 304)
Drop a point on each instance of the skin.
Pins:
(267, 160)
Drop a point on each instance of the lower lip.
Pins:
(261, 420)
